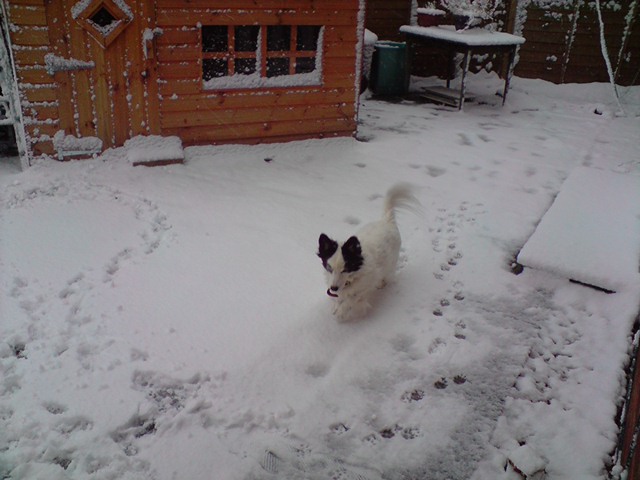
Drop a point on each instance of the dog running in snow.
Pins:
(367, 260)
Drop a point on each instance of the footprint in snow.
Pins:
(435, 171)
(54, 408)
(465, 140)
(459, 379)
(299, 462)
(137, 426)
(138, 355)
(459, 331)
(19, 285)
(63, 460)
(443, 382)
(115, 264)
(69, 425)
(437, 345)
(317, 370)
(19, 349)
(408, 433)
(339, 428)
(72, 286)
(413, 396)
(402, 343)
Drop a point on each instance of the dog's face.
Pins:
(341, 264)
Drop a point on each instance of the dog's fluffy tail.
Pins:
(401, 196)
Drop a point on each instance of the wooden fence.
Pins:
(628, 450)
(563, 44)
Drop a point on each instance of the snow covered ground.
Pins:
(172, 323)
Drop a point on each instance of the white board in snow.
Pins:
(591, 232)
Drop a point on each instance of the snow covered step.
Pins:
(71, 147)
(591, 233)
(154, 150)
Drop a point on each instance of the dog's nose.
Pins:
(334, 289)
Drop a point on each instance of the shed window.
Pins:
(252, 56)
(103, 18)
(215, 39)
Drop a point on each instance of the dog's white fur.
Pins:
(379, 244)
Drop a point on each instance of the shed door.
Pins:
(104, 63)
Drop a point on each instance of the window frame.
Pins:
(262, 77)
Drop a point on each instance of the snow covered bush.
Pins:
(482, 9)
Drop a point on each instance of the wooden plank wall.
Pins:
(251, 116)
(30, 40)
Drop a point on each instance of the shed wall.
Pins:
(30, 42)
(256, 115)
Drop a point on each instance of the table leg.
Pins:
(507, 77)
(450, 67)
(465, 67)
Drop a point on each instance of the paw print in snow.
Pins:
(441, 384)
(413, 396)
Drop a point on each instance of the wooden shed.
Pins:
(208, 71)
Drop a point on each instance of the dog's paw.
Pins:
(343, 314)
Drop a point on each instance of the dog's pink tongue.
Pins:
(331, 294)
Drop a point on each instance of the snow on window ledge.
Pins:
(254, 81)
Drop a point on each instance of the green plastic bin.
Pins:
(390, 69)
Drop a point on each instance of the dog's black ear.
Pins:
(352, 254)
(326, 247)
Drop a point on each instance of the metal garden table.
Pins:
(468, 42)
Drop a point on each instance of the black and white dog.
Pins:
(367, 260)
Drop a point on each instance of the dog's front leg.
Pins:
(343, 311)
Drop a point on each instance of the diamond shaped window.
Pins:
(104, 20)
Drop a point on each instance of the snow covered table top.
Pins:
(591, 233)
(473, 37)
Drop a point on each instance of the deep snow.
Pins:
(172, 323)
